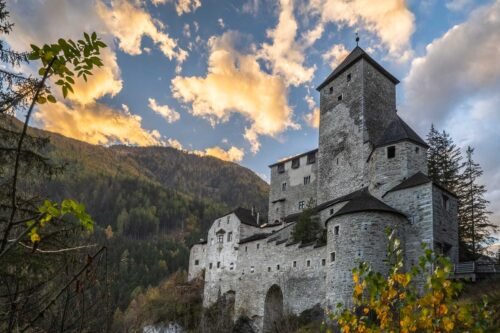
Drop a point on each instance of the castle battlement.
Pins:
(368, 174)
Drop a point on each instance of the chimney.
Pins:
(258, 218)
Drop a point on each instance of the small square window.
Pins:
(337, 161)
(391, 151)
(228, 218)
(252, 269)
(283, 187)
(446, 202)
(231, 266)
(331, 211)
(311, 158)
(269, 269)
(294, 264)
(417, 150)
(229, 236)
(277, 267)
(281, 168)
(336, 230)
(331, 90)
(340, 97)
(301, 204)
(307, 180)
(332, 256)
(349, 77)
(323, 262)
(210, 266)
(220, 238)
(196, 262)
(258, 246)
(295, 163)
(218, 264)
(246, 248)
(308, 263)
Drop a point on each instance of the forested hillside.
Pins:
(149, 203)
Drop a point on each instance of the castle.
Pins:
(368, 174)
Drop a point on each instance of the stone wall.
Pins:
(295, 189)
(445, 223)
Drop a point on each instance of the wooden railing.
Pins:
(468, 267)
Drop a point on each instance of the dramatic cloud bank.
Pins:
(235, 83)
(456, 85)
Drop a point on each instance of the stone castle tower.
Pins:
(368, 174)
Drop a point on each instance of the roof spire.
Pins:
(357, 39)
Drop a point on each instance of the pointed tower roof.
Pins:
(397, 131)
(353, 57)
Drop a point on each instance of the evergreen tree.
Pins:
(473, 224)
(307, 228)
(444, 160)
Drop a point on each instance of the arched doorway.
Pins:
(273, 310)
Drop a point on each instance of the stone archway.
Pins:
(273, 310)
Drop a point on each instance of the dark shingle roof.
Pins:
(363, 201)
(418, 179)
(397, 131)
(293, 157)
(254, 237)
(353, 57)
(245, 216)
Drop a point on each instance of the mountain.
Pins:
(149, 203)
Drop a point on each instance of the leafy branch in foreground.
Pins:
(394, 303)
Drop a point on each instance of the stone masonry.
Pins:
(368, 174)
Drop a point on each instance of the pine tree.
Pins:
(473, 223)
(444, 160)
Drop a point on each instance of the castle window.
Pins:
(340, 97)
(220, 238)
(307, 180)
(295, 163)
(218, 264)
(269, 269)
(336, 230)
(277, 267)
(308, 263)
(229, 236)
(196, 262)
(210, 266)
(311, 158)
(294, 264)
(331, 90)
(228, 218)
(332, 256)
(391, 151)
(323, 262)
(258, 246)
(283, 187)
(281, 167)
(359, 253)
(446, 202)
(301, 204)
(218, 223)
(417, 150)
(349, 77)
(337, 161)
(252, 269)
(331, 211)
(246, 248)
(231, 266)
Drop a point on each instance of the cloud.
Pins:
(285, 55)
(312, 118)
(130, 23)
(221, 22)
(458, 5)
(96, 124)
(174, 144)
(455, 86)
(335, 55)
(164, 110)
(181, 6)
(452, 71)
(235, 83)
(390, 20)
(251, 7)
(233, 154)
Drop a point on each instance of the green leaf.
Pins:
(60, 82)
(87, 37)
(70, 88)
(33, 56)
(51, 99)
(100, 44)
(41, 71)
(94, 36)
(70, 79)
(41, 100)
(65, 91)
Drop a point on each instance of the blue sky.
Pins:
(236, 79)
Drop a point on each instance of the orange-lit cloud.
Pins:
(164, 110)
(235, 83)
(181, 6)
(96, 124)
(335, 55)
(312, 118)
(233, 154)
(390, 20)
(130, 23)
(285, 54)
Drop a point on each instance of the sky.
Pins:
(236, 79)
